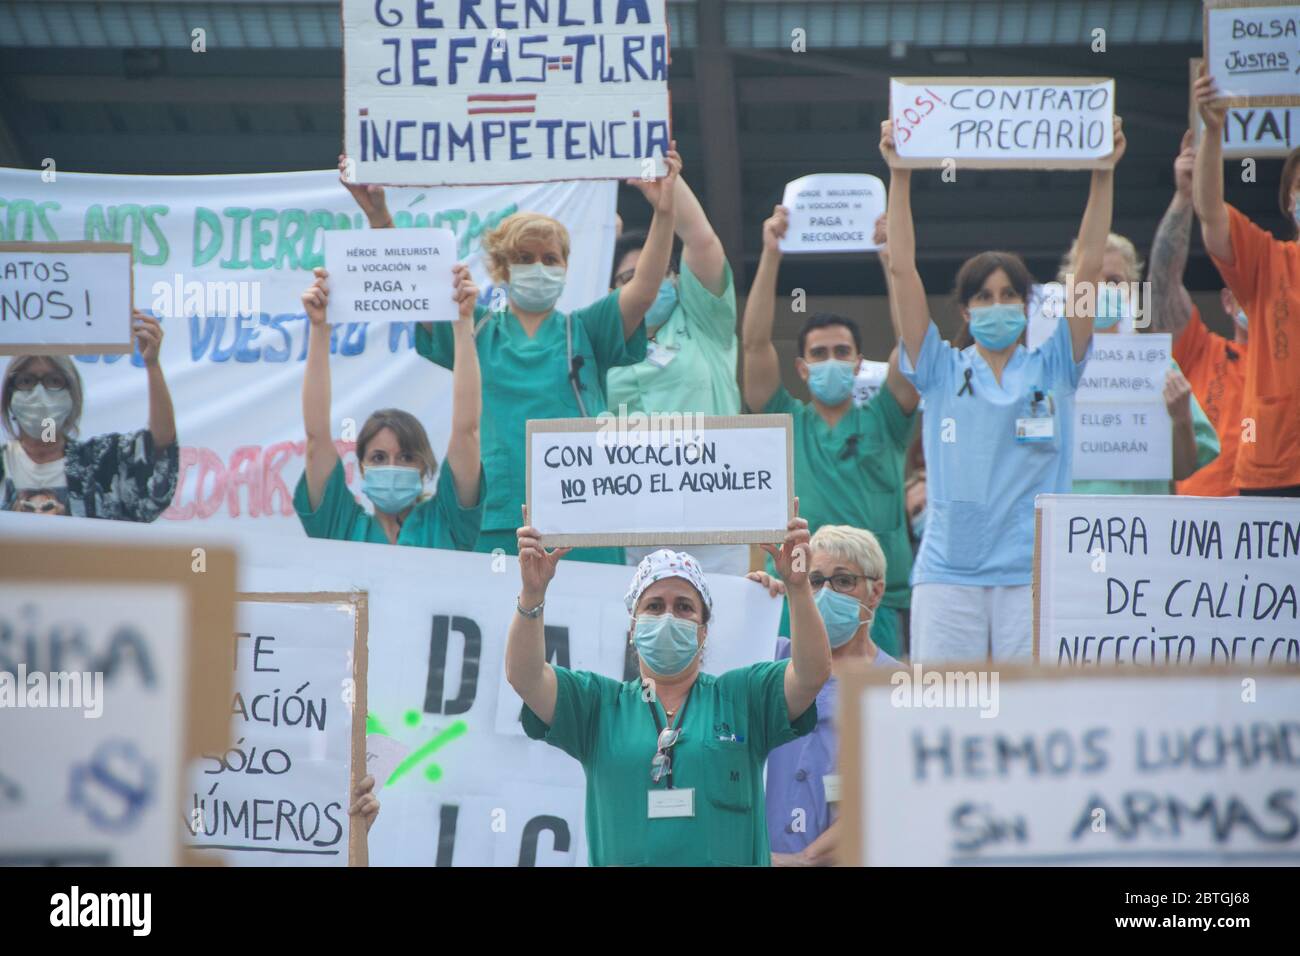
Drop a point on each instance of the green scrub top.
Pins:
(437, 522)
(853, 474)
(729, 724)
(1207, 449)
(527, 378)
(691, 365)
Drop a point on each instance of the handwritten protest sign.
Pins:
(833, 212)
(1259, 131)
(111, 679)
(1253, 51)
(1122, 428)
(660, 479)
(1153, 580)
(65, 297)
(390, 275)
(1002, 122)
(279, 794)
(1125, 768)
(505, 93)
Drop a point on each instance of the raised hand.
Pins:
(888, 152)
(774, 228)
(464, 291)
(1184, 164)
(660, 192)
(1121, 143)
(1210, 102)
(1178, 396)
(773, 585)
(148, 334)
(366, 805)
(317, 297)
(536, 564)
(795, 555)
(371, 199)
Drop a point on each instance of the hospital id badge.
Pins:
(1035, 429)
(831, 784)
(676, 802)
(660, 355)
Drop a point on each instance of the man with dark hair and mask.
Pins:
(848, 461)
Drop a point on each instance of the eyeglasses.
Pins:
(662, 764)
(53, 382)
(841, 581)
(624, 277)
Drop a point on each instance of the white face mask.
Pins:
(33, 408)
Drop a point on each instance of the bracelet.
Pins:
(534, 612)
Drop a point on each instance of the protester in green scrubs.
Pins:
(674, 761)
(848, 461)
(393, 450)
(1194, 441)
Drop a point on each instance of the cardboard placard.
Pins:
(391, 275)
(670, 479)
(1122, 425)
(298, 730)
(154, 623)
(66, 298)
(833, 212)
(1157, 580)
(1130, 767)
(1002, 122)
(509, 93)
(1252, 48)
(1264, 132)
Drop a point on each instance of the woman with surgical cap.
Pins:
(674, 761)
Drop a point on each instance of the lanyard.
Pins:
(659, 729)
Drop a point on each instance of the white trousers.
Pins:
(958, 622)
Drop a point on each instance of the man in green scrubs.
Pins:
(848, 461)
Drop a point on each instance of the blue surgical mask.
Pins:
(535, 287)
(840, 615)
(663, 306)
(997, 326)
(1112, 305)
(1241, 318)
(831, 381)
(666, 643)
(392, 488)
(918, 524)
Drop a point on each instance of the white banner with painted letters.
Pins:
(224, 261)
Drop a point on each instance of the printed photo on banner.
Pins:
(390, 275)
(1135, 767)
(69, 298)
(833, 212)
(1251, 131)
(1002, 122)
(1252, 51)
(505, 93)
(1154, 580)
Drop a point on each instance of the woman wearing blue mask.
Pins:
(674, 761)
(997, 430)
(393, 450)
(848, 580)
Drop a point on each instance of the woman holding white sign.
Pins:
(674, 761)
(45, 470)
(998, 428)
(393, 450)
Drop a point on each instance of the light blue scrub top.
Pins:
(981, 481)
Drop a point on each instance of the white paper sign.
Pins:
(391, 275)
(1002, 122)
(833, 212)
(1253, 52)
(1122, 425)
(1157, 769)
(683, 480)
(1155, 580)
(505, 93)
(383, 755)
(869, 380)
(63, 297)
(280, 795)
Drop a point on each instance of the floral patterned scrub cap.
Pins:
(667, 564)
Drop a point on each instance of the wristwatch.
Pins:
(533, 612)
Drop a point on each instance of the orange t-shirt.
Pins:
(1265, 278)
(1216, 370)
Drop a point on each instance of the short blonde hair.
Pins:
(501, 243)
(854, 545)
(1114, 243)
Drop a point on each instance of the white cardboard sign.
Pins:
(833, 212)
(391, 275)
(65, 297)
(1122, 426)
(1253, 52)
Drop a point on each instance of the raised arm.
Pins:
(321, 453)
(526, 667)
(762, 368)
(1093, 231)
(463, 454)
(701, 248)
(162, 417)
(1170, 306)
(640, 292)
(1178, 400)
(906, 292)
(1207, 181)
(810, 649)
